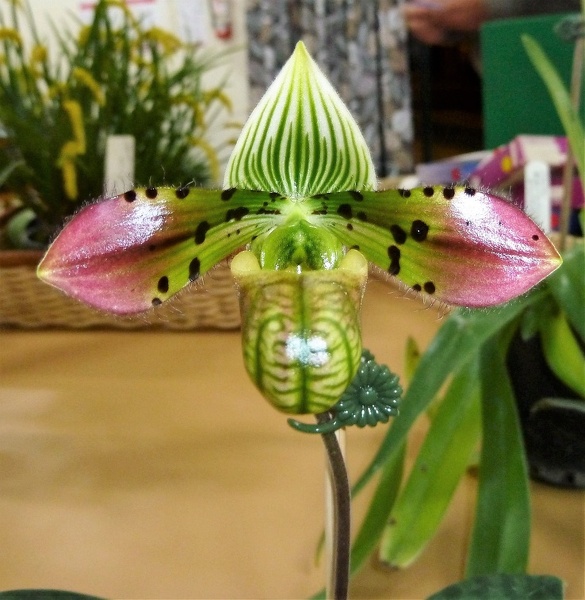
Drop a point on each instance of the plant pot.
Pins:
(553, 436)
(27, 302)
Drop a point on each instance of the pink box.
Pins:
(504, 167)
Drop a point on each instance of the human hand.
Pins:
(432, 21)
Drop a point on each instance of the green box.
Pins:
(515, 100)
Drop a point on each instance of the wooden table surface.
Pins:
(145, 465)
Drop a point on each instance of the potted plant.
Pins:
(300, 196)
(59, 115)
(510, 380)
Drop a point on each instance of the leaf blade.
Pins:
(563, 353)
(439, 466)
(500, 545)
(454, 345)
(504, 587)
(560, 98)
(567, 285)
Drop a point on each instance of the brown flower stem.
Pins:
(341, 497)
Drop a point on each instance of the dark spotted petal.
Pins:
(128, 253)
(462, 246)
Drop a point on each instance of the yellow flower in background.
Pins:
(217, 94)
(210, 153)
(11, 35)
(55, 90)
(86, 78)
(169, 42)
(73, 109)
(137, 58)
(83, 36)
(71, 149)
(69, 177)
(58, 99)
(233, 125)
(38, 56)
(194, 105)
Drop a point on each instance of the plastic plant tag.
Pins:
(537, 193)
(119, 163)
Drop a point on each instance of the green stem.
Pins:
(341, 513)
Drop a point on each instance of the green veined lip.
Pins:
(301, 332)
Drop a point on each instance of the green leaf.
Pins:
(565, 404)
(412, 356)
(9, 169)
(563, 353)
(301, 140)
(34, 594)
(535, 315)
(501, 531)
(455, 345)
(441, 462)
(561, 99)
(567, 285)
(379, 509)
(504, 587)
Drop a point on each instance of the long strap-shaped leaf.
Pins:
(453, 347)
(568, 115)
(501, 533)
(567, 285)
(504, 587)
(440, 464)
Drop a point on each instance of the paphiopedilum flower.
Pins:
(300, 197)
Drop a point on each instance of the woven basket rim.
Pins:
(27, 302)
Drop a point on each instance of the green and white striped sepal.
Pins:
(301, 140)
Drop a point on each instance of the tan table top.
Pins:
(145, 465)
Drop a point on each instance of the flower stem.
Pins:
(339, 568)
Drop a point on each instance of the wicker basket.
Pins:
(27, 302)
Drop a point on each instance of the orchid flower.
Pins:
(300, 204)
